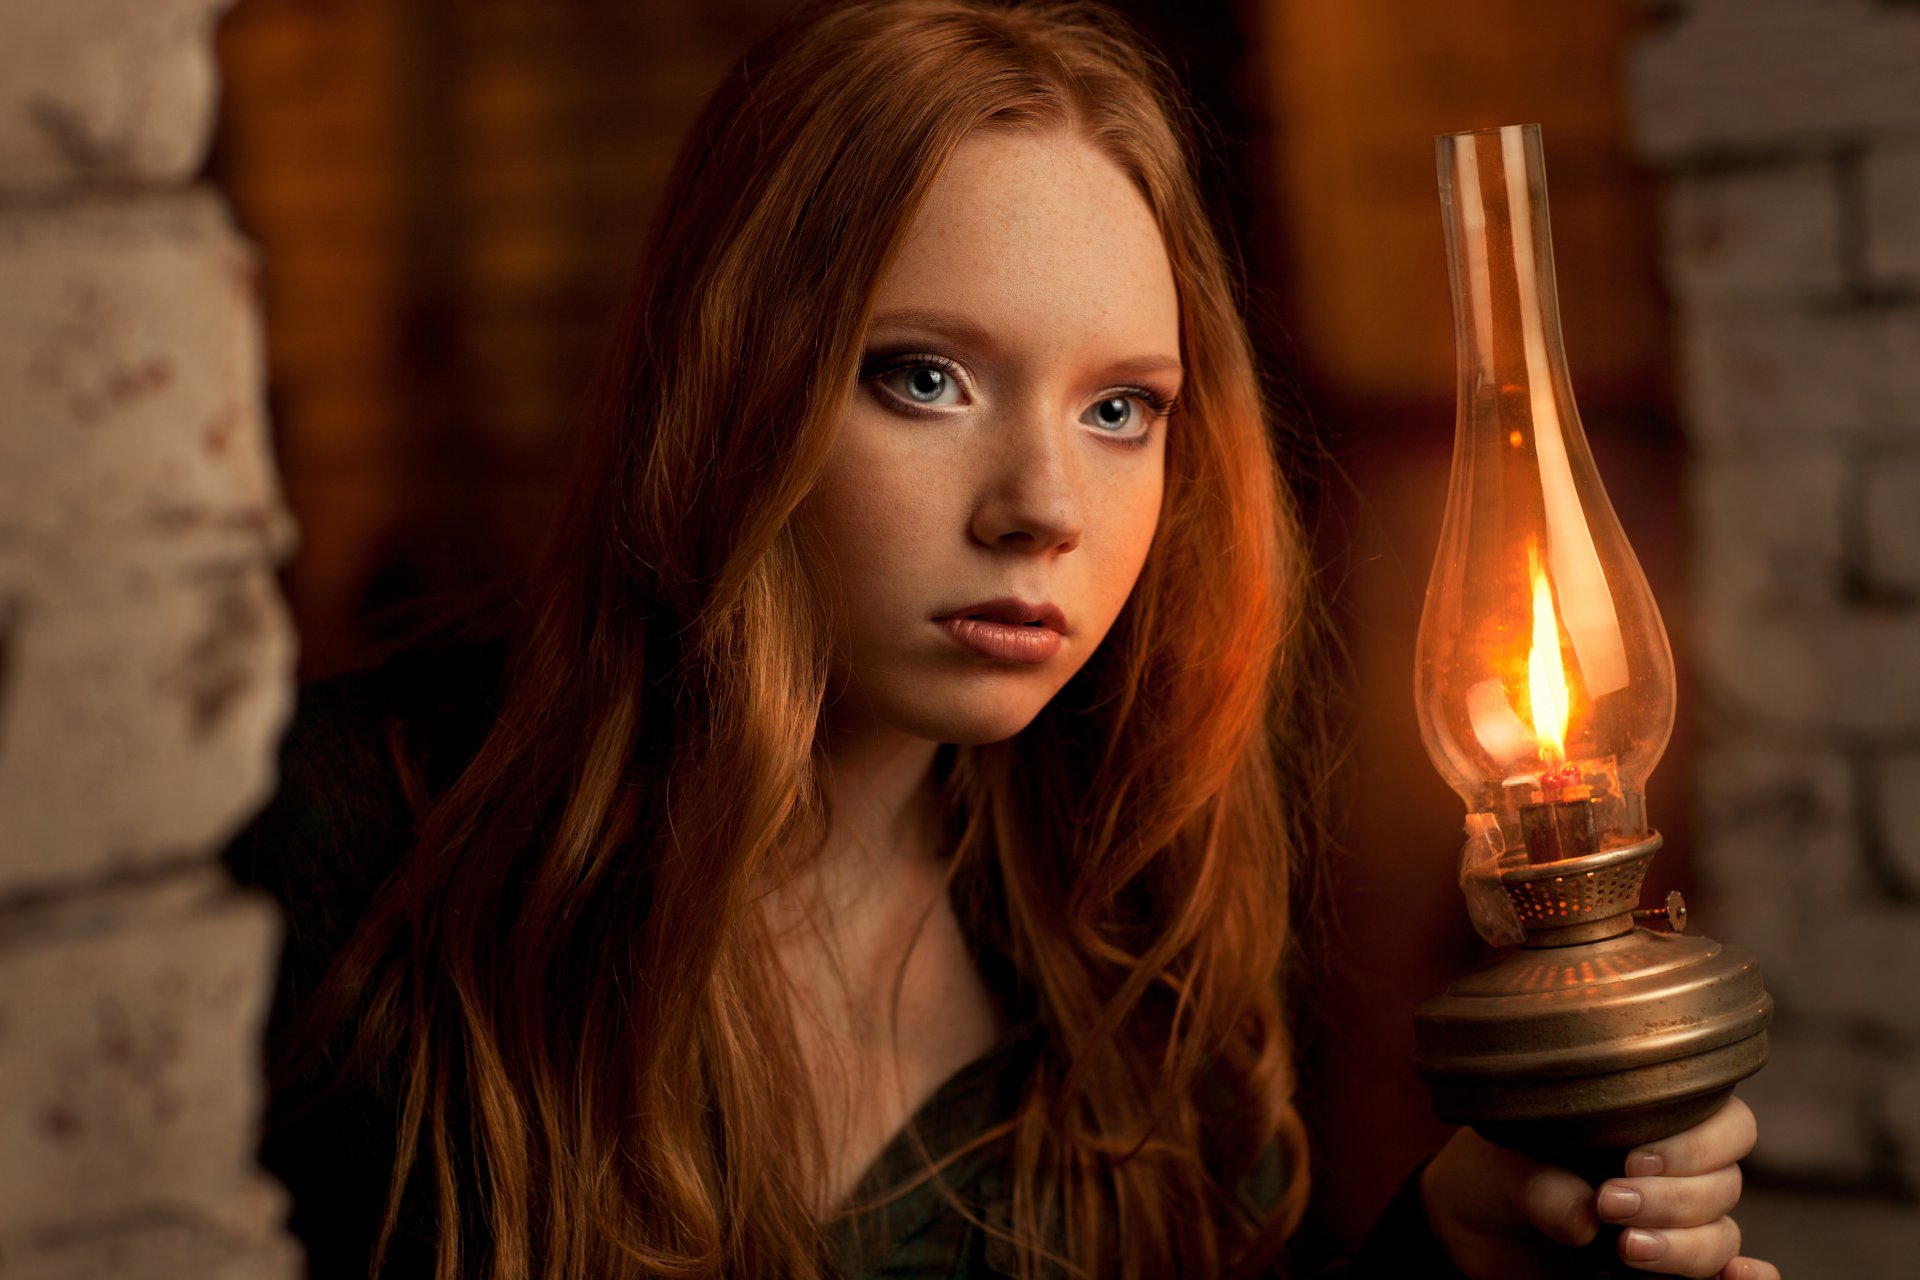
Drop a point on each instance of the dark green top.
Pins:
(338, 825)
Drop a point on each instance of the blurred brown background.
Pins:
(448, 196)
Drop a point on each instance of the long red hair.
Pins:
(568, 971)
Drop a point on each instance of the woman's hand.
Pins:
(1491, 1208)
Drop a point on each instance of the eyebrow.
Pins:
(1140, 366)
(946, 323)
(960, 329)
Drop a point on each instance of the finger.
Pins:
(1690, 1251)
(1750, 1269)
(1723, 1138)
(1670, 1202)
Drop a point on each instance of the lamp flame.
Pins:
(1546, 674)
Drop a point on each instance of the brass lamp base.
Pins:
(1594, 1035)
(1609, 1043)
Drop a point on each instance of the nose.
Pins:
(1033, 499)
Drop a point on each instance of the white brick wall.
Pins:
(1773, 77)
(1834, 675)
(136, 1090)
(1759, 233)
(1789, 132)
(146, 685)
(128, 339)
(1773, 529)
(145, 661)
(1788, 813)
(1781, 377)
(1816, 1100)
(98, 91)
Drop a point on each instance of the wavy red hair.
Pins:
(568, 968)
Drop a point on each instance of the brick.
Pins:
(131, 370)
(1766, 75)
(1787, 379)
(1769, 531)
(1897, 793)
(130, 1026)
(1765, 233)
(156, 1251)
(1768, 814)
(1890, 192)
(1812, 671)
(1892, 518)
(105, 91)
(1814, 1102)
(1848, 965)
(1811, 1235)
(144, 689)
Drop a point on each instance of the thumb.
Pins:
(1493, 1192)
(1554, 1202)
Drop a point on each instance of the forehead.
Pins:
(1039, 235)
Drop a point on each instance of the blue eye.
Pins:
(925, 385)
(1129, 417)
(918, 380)
(1115, 414)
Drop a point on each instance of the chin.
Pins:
(968, 721)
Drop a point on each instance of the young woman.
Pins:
(867, 849)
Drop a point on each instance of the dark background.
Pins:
(448, 197)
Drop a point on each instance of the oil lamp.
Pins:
(1545, 691)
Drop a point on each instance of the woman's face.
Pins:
(1005, 442)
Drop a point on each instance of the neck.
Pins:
(879, 790)
(883, 821)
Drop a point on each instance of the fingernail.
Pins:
(1642, 1246)
(1644, 1164)
(1618, 1202)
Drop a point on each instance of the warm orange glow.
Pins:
(1546, 674)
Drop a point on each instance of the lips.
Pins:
(1012, 613)
(1007, 630)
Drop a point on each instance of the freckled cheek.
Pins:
(1128, 518)
(876, 526)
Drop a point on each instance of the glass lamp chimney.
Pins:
(1543, 679)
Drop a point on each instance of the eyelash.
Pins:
(1161, 407)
